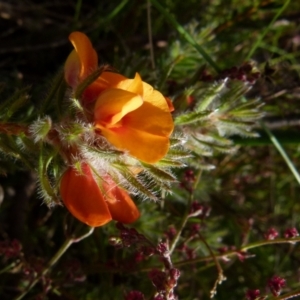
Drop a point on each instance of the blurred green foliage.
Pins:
(249, 191)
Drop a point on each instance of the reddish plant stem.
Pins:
(13, 129)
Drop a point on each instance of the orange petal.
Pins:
(72, 69)
(170, 104)
(145, 146)
(120, 205)
(83, 198)
(134, 85)
(154, 97)
(109, 79)
(104, 81)
(86, 53)
(113, 104)
(151, 119)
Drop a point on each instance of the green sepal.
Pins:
(107, 154)
(45, 185)
(87, 81)
(71, 133)
(40, 128)
(133, 182)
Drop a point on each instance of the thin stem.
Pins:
(178, 234)
(114, 12)
(270, 242)
(234, 252)
(185, 34)
(282, 152)
(77, 13)
(95, 268)
(263, 34)
(149, 25)
(186, 215)
(54, 88)
(221, 276)
(287, 296)
(10, 266)
(65, 246)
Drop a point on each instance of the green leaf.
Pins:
(178, 154)
(233, 95)
(246, 115)
(169, 163)
(8, 146)
(158, 173)
(176, 141)
(192, 117)
(214, 146)
(133, 182)
(53, 89)
(106, 154)
(209, 94)
(231, 127)
(13, 104)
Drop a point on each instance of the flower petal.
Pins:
(113, 104)
(150, 119)
(109, 79)
(104, 81)
(83, 198)
(145, 146)
(120, 204)
(154, 97)
(170, 104)
(72, 69)
(86, 53)
(134, 85)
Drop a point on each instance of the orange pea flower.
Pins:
(95, 203)
(129, 113)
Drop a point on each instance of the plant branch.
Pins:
(186, 216)
(221, 276)
(287, 296)
(234, 252)
(65, 246)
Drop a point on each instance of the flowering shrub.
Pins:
(148, 140)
